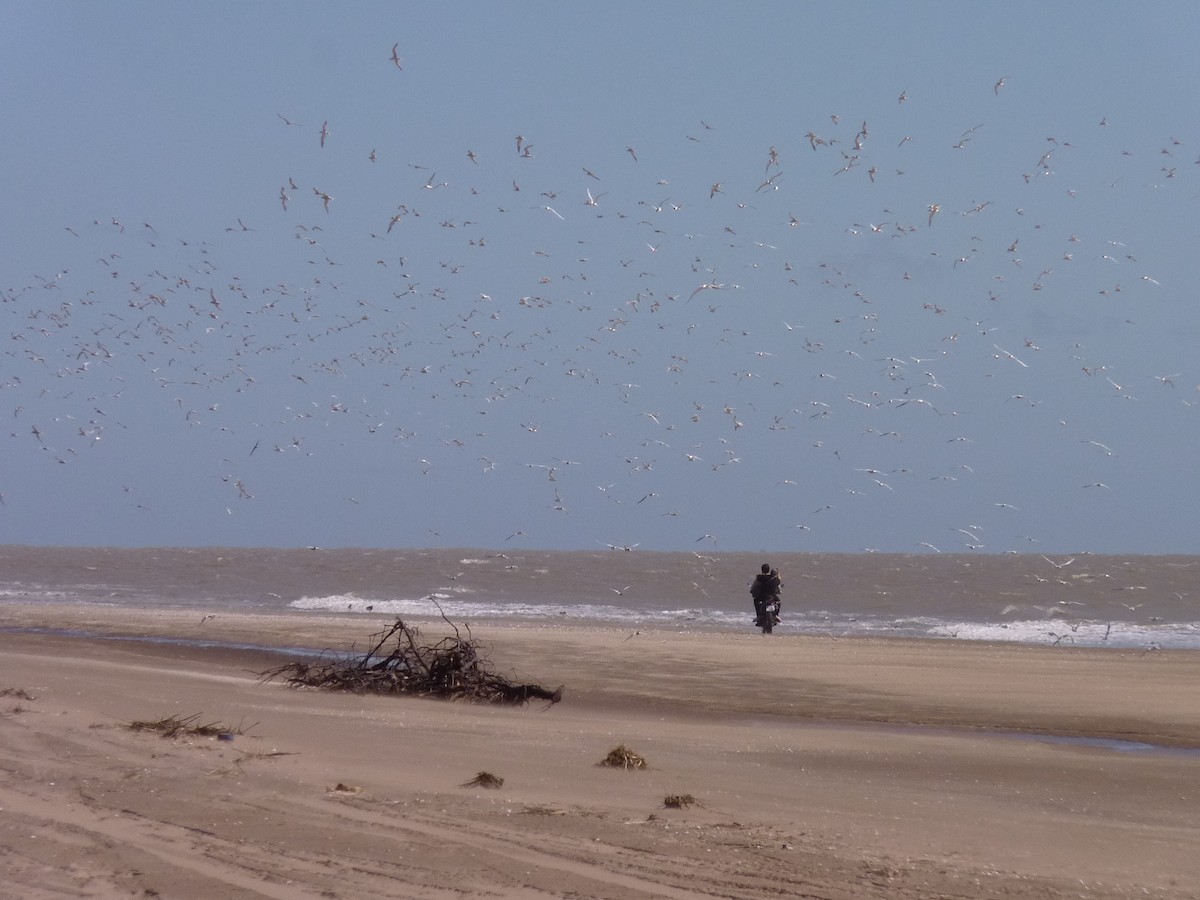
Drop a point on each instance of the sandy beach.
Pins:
(818, 767)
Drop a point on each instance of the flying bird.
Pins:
(396, 57)
(1061, 565)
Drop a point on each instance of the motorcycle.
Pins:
(769, 617)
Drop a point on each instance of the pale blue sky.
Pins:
(802, 359)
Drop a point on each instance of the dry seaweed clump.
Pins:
(679, 801)
(621, 757)
(19, 694)
(485, 780)
(189, 726)
(400, 663)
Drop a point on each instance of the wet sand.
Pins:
(819, 767)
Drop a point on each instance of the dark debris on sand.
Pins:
(400, 663)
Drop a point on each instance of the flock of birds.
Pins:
(840, 342)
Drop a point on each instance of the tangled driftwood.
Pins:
(451, 668)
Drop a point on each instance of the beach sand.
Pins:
(819, 768)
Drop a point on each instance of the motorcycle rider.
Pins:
(764, 590)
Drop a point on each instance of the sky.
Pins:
(828, 277)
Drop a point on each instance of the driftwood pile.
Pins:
(400, 663)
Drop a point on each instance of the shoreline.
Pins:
(1125, 601)
(208, 651)
(847, 689)
(864, 767)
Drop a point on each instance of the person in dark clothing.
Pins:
(764, 590)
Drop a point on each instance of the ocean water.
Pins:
(1151, 602)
